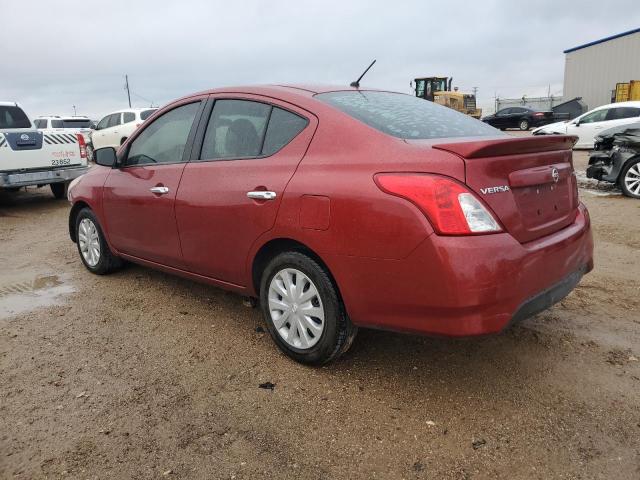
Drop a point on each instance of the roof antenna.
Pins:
(356, 84)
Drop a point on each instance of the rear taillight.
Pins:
(538, 114)
(83, 145)
(451, 207)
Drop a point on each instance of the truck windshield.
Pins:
(13, 117)
(406, 116)
(71, 123)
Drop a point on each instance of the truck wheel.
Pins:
(303, 311)
(523, 125)
(92, 246)
(59, 190)
(630, 179)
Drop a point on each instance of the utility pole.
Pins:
(475, 92)
(126, 79)
(74, 110)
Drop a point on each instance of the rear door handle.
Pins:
(261, 195)
(159, 190)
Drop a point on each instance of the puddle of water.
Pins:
(24, 296)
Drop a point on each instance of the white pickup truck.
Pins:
(37, 157)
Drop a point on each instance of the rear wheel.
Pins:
(524, 124)
(92, 246)
(122, 140)
(59, 190)
(303, 311)
(630, 179)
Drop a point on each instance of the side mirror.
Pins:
(577, 122)
(105, 156)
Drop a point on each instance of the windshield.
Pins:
(405, 116)
(71, 123)
(13, 117)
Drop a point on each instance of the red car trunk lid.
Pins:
(527, 182)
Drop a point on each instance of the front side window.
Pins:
(235, 130)
(406, 116)
(40, 124)
(165, 139)
(597, 116)
(13, 117)
(114, 120)
(103, 123)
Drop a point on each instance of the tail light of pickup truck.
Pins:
(450, 206)
(82, 144)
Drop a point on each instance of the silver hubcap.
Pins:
(89, 242)
(632, 179)
(296, 308)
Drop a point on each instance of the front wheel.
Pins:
(92, 245)
(630, 179)
(524, 125)
(303, 311)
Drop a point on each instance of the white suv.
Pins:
(116, 127)
(74, 124)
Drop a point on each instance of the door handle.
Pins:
(159, 190)
(261, 195)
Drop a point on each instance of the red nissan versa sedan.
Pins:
(341, 208)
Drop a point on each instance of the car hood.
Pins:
(624, 135)
(558, 127)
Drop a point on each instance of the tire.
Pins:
(630, 179)
(106, 261)
(333, 332)
(59, 190)
(523, 124)
(122, 140)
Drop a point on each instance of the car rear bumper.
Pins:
(41, 177)
(464, 286)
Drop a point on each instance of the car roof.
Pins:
(9, 104)
(633, 103)
(301, 93)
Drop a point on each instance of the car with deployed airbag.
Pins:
(338, 209)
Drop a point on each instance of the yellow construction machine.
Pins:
(438, 90)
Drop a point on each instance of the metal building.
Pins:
(592, 70)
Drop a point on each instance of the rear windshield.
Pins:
(13, 117)
(73, 123)
(405, 116)
(146, 114)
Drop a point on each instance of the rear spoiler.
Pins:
(509, 146)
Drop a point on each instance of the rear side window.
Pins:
(235, 130)
(164, 140)
(283, 127)
(128, 117)
(13, 117)
(146, 114)
(405, 116)
(623, 112)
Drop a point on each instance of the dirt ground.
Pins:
(143, 375)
